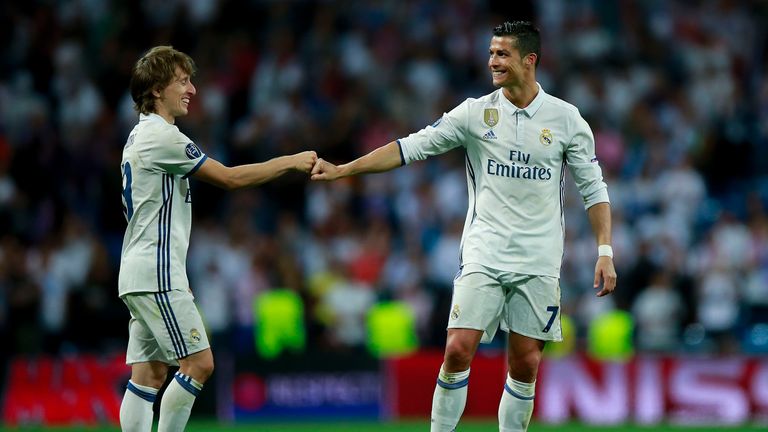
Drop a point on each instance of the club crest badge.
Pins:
(455, 312)
(193, 151)
(491, 117)
(546, 137)
(194, 335)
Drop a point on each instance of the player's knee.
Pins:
(150, 374)
(209, 369)
(199, 366)
(525, 366)
(155, 381)
(158, 380)
(205, 368)
(458, 357)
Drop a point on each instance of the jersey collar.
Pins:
(151, 117)
(532, 107)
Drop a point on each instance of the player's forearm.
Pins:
(600, 219)
(384, 158)
(257, 173)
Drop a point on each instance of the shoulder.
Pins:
(470, 107)
(486, 100)
(481, 103)
(560, 106)
(159, 140)
(163, 129)
(160, 132)
(566, 112)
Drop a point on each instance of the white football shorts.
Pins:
(485, 298)
(164, 327)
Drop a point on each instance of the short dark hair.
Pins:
(526, 36)
(154, 71)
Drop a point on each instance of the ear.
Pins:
(156, 92)
(530, 59)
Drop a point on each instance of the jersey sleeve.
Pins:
(176, 154)
(447, 133)
(582, 162)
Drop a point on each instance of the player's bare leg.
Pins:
(516, 406)
(450, 395)
(136, 409)
(180, 395)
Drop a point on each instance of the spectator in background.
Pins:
(165, 327)
(659, 313)
(512, 243)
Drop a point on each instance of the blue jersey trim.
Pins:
(402, 157)
(171, 185)
(164, 236)
(193, 170)
(472, 184)
(127, 191)
(163, 225)
(164, 269)
(471, 172)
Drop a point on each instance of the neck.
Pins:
(165, 115)
(521, 95)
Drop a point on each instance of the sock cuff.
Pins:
(188, 383)
(149, 394)
(519, 389)
(452, 380)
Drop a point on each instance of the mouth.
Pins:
(497, 73)
(185, 101)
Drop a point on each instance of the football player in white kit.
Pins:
(517, 142)
(165, 327)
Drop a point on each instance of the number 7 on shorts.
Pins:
(554, 310)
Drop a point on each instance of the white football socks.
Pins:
(449, 400)
(136, 409)
(516, 405)
(177, 402)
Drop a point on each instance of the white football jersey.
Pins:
(157, 161)
(515, 161)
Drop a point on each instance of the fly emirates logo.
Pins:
(518, 167)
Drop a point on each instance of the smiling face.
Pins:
(508, 68)
(173, 100)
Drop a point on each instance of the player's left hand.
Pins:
(324, 170)
(605, 272)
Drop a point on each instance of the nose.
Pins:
(192, 89)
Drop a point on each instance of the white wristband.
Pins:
(605, 250)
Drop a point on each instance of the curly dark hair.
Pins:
(526, 36)
(154, 71)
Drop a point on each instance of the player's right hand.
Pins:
(324, 170)
(605, 273)
(304, 161)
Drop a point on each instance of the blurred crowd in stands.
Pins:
(676, 93)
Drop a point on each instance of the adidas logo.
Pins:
(489, 135)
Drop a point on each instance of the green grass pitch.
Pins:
(411, 426)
